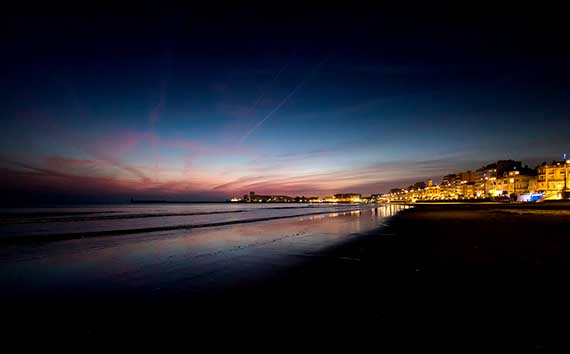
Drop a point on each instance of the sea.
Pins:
(156, 249)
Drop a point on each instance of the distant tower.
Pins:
(251, 196)
(430, 183)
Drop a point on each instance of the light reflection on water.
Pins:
(57, 221)
(191, 260)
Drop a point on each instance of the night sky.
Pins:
(206, 104)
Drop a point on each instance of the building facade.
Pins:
(503, 179)
(554, 179)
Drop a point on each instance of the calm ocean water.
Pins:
(167, 249)
(139, 218)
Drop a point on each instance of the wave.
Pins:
(113, 217)
(8, 218)
(38, 214)
(119, 232)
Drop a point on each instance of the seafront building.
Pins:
(515, 182)
(345, 198)
(256, 198)
(252, 197)
(502, 180)
(554, 179)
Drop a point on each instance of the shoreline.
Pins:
(442, 276)
(42, 238)
(461, 275)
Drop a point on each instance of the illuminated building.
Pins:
(501, 167)
(553, 179)
(468, 176)
(272, 199)
(348, 198)
(505, 178)
(375, 198)
(344, 198)
(516, 183)
(252, 197)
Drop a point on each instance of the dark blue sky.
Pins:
(193, 103)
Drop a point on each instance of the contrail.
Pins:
(262, 95)
(268, 115)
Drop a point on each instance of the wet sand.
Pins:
(459, 277)
(165, 283)
(454, 276)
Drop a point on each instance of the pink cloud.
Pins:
(120, 143)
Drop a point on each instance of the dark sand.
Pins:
(455, 276)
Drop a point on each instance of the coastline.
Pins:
(459, 277)
(456, 275)
(29, 228)
(481, 276)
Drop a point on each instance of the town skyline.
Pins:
(500, 179)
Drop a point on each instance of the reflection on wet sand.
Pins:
(182, 261)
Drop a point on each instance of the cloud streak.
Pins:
(283, 101)
(97, 177)
(357, 179)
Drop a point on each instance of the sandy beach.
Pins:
(465, 276)
(459, 276)
(462, 277)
